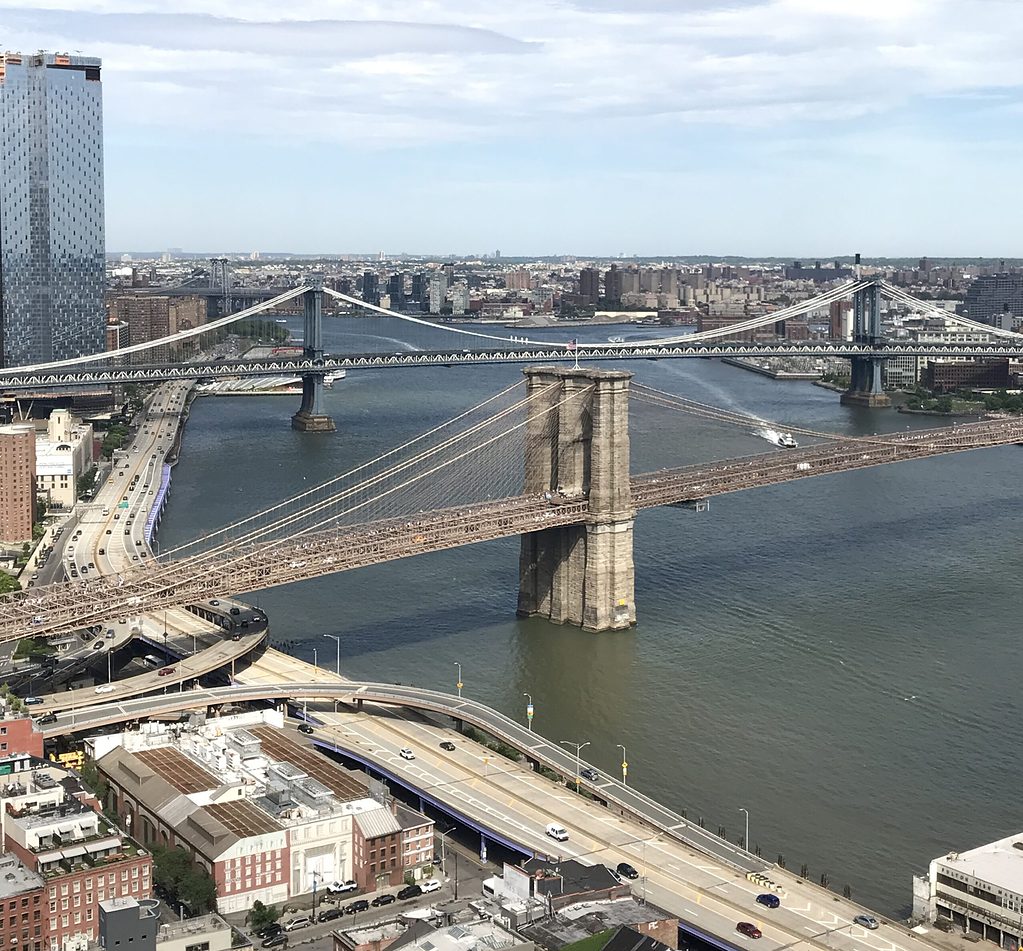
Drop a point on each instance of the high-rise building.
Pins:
(17, 481)
(51, 207)
(613, 285)
(992, 295)
(438, 292)
(371, 288)
(419, 287)
(396, 291)
(589, 284)
(518, 280)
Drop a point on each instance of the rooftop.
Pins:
(999, 863)
(15, 878)
(178, 770)
(579, 921)
(204, 924)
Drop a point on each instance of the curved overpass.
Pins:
(530, 744)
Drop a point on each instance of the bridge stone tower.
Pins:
(579, 448)
(311, 418)
(866, 384)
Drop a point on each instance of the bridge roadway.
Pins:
(686, 870)
(12, 380)
(62, 607)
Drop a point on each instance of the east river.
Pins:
(839, 655)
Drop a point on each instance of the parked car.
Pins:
(626, 870)
(406, 753)
(305, 728)
(339, 888)
(356, 906)
(269, 931)
(430, 886)
(409, 891)
(275, 940)
(380, 900)
(32, 700)
(303, 921)
(866, 921)
(447, 745)
(329, 914)
(748, 928)
(769, 900)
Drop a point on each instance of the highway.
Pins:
(684, 869)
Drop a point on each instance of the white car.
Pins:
(105, 688)
(556, 832)
(339, 888)
(431, 886)
(406, 753)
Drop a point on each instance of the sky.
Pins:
(589, 127)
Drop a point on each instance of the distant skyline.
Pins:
(545, 127)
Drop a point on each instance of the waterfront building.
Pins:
(17, 481)
(150, 317)
(980, 891)
(51, 207)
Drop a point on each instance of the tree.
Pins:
(261, 915)
(87, 482)
(8, 584)
(186, 883)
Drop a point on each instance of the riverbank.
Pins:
(767, 371)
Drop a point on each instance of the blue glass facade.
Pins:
(51, 208)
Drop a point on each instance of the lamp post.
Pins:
(335, 637)
(444, 851)
(529, 711)
(625, 765)
(745, 841)
(459, 684)
(110, 675)
(315, 663)
(578, 749)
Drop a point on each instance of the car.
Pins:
(275, 940)
(127, 531)
(866, 921)
(111, 632)
(589, 773)
(380, 900)
(769, 900)
(409, 891)
(102, 551)
(556, 832)
(356, 906)
(138, 542)
(447, 745)
(406, 753)
(329, 914)
(305, 728)
(339, 888)
(105, 688)
(430, 886)
(110, 531)
(303, 921)
(164, 671)
(748, 928)
(98, 645)
(214, 602)
(47, 718)
(626, 870)
(269, 931)
(33, 700)
(236, 611)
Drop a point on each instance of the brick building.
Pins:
(17, 481)
(946, 376)
(21, 906)
(18, 735)
(150, 317)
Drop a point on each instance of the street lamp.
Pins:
(529, 711)
(745, 841)
(459, 684)
(315, 663)
(578, 749)
(625, 765)
(444, 851)
(335, 637)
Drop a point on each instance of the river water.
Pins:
(838, 655)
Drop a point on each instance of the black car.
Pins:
(329, 914)
(382, 900)
(409, 891)
(447, 745)
(269, 931)
(305, 728)
(275, 941)
(589, 773)
(627, 871)
(47, 718)
(357, 906)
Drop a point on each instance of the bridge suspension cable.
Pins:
(902, 297)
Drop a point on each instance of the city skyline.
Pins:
(749, 128)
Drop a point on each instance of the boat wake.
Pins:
(777, 438)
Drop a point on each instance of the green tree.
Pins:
(261, 915)
(186, 883)
(8, 584)
(87, 482)
(943, 404)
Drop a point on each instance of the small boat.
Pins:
(330, 378)
(616, 340)
(786, 441)
(280, 320)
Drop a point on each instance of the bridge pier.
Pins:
(866, 377)
(577, 446)
(311, 417)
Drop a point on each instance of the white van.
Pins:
(557, 832)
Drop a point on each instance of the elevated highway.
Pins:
(344, 548)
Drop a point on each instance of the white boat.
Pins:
(786, 441)
(328, 379)
(280, 320)
(616, 340)
(780, 439)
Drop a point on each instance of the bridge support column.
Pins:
(866, 377)
(577, 446)
(311, 417)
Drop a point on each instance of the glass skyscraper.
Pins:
(51, 208)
